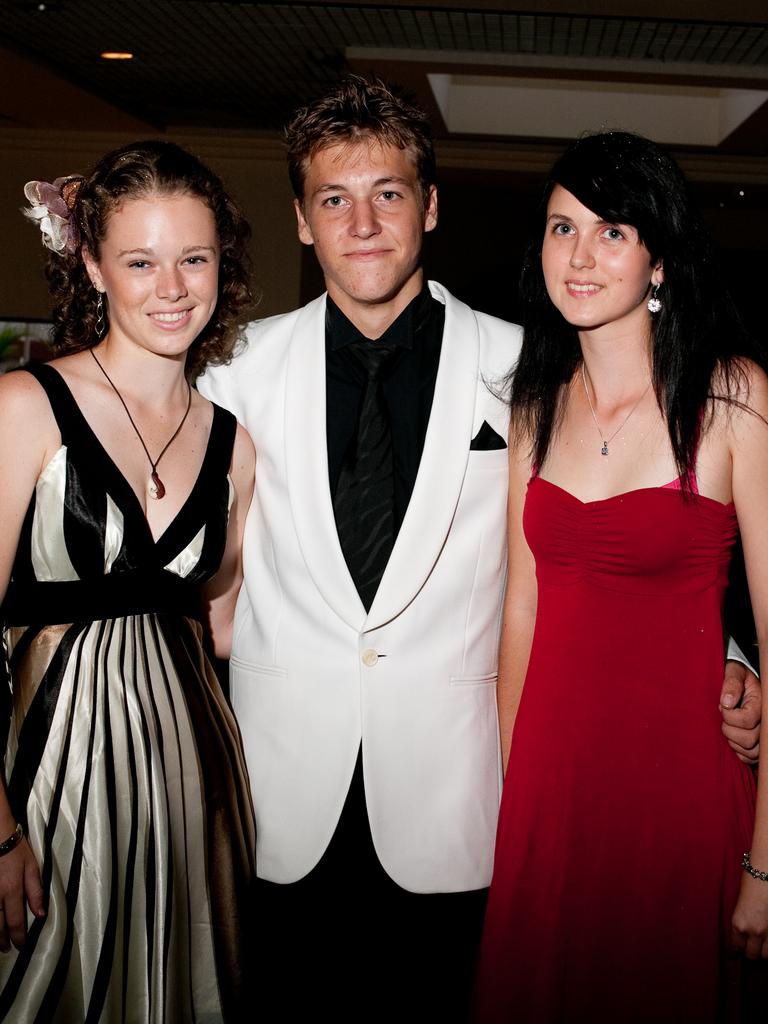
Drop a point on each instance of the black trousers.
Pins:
(347, 942)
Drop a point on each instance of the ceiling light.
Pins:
(116, 55)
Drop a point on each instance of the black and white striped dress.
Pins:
(123, 761)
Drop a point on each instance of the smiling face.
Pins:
(597, 274)
(159, 268)
(364, 213)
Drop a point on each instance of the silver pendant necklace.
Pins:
(607, 440)
(156, 486)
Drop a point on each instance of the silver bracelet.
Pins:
(746, 863)
(12, 841)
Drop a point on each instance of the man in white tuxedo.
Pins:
(364, 651)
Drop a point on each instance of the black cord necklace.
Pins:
(156, 486)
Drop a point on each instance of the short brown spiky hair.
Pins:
(359, 109)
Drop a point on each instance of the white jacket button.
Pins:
(370, 657)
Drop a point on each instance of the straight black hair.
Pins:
(697, 338)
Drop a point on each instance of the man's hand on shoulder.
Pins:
(741, 707)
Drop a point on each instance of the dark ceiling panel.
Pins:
(248, 65)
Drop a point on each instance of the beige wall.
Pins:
(253, 169)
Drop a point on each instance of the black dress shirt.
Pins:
(408, 385)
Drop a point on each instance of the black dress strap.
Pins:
(218, 457)
(66, 411)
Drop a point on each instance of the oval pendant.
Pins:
(156, 488)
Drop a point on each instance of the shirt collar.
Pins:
(340, 331)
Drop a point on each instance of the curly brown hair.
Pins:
(359, 109)
(136, 171)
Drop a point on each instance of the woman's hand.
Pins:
(19, 885)
(750, 919)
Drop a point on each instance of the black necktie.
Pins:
(364, 501)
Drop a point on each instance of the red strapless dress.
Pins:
(625, 813)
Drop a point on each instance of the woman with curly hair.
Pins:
(126, 829)
(638, 447)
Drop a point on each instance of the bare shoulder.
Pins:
(741, 382)
(22, 398)
(242, 468)
(757, 385)
(244, 451)
(24, 451)
(741, 398)
(740, 417)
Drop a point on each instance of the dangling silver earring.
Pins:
(100, 325)
(654, 303)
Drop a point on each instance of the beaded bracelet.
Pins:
(746, 863)
(12, 841)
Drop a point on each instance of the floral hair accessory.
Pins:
(51, 206)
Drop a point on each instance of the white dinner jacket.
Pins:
(312, 674)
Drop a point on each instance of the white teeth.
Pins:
(584, 289)
(169, 318)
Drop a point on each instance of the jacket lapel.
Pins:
(306, 454)
(442, 467)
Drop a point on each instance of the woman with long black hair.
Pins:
(639, 445)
